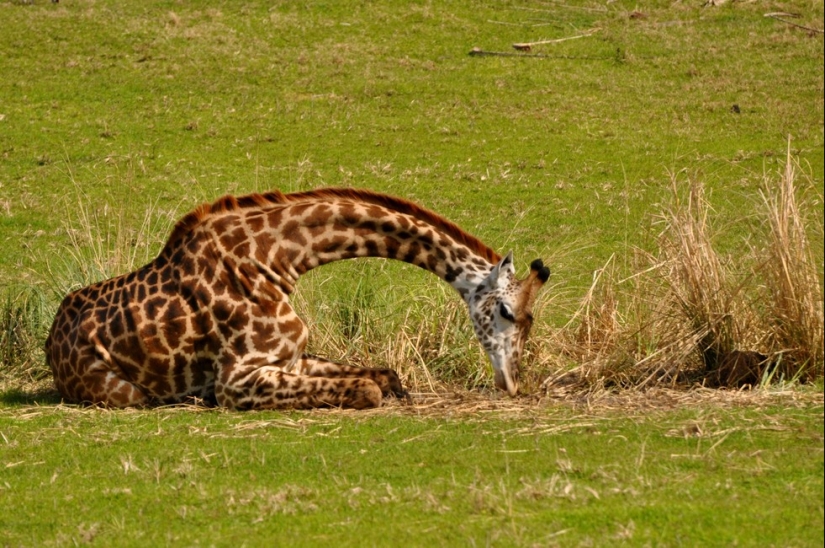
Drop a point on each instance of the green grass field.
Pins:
(166, 105)
(698, 475)
(118, 118)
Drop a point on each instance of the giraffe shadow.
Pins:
(14, 397)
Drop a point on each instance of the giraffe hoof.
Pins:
(390, 383)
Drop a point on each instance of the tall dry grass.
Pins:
(794, 311)
(705, 305)
(690, 315)
(25, 317)
(680, 314)
(105, 241)
(417, 327)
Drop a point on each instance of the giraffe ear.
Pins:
(501, 273)
(507, 263)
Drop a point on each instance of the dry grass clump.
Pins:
(659, 325)
(704, 303)
(595, 338)
(104, 242)
(794, 287)
(25, 316)
(690, 315)
(385, 329)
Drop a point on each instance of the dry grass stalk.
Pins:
(681, 318)
(598, 339)
(103, 243)
(24, 318)
(430, 350)
(708, 305)
(795, 298)
(687, 318)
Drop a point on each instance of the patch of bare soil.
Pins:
(466, 403)
(463, 403)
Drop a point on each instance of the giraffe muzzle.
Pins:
(504, 381)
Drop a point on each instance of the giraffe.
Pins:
(210, 316)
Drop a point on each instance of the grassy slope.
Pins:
(693, 476)
(179, 103)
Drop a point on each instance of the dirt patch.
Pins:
(457, 403)
(465, 403)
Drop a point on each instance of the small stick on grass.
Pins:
(478, 52)
(527, 46)
(780, 16)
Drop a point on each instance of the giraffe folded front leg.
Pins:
(270, 387)
(386, 379)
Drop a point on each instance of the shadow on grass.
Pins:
(20, 397)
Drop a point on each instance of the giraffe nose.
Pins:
(505, 381)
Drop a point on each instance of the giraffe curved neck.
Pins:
(287, 240)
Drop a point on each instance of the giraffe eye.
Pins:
(506, 313)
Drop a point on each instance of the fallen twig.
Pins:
(527, 46)
(478, 52)
(780, 16)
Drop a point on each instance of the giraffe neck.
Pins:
(284, 240)
(310, 236)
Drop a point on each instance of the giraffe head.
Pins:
(501, 310)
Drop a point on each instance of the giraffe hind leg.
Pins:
(386, 379)
(269, 387)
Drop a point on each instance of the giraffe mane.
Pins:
(250, 201)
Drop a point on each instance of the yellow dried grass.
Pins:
(794, 286)
(688, 316)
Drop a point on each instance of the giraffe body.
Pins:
(210, 317)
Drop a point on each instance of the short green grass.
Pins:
(167, 104)
(709, 476)
(112, 110)
(111, 115)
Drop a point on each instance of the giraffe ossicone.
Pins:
(210, 316)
